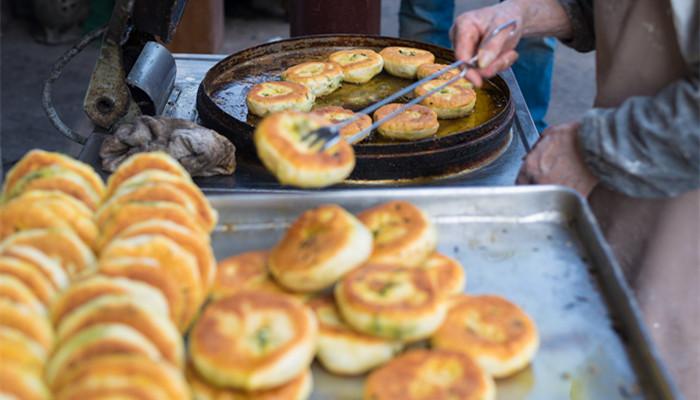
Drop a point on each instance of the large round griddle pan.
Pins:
(221, 106)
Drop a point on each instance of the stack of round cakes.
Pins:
(376, 286)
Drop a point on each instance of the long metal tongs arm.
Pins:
(464, 65)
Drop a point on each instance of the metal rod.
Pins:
(363, 133)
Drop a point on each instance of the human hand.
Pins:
(556, 159)
(499, 53)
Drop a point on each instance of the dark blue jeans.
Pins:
(430, 21)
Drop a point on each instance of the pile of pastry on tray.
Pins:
(385, 303)
(287, 108)
(100, 285)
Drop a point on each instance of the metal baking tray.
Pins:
(537, 246)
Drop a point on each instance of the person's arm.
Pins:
(649, 146)
(533, 17)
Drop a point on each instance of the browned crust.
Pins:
(177, 191)
(328, 302)
(401, 55)
(151, 272)
(335, 114)
(451, 96)
(498, 314)
(141, 162)
(207, 341)
(120, 218)
(189, 240)
(79, 293)
(144, 391)
(173, 258)
(135, 317)
(131, 366)
(274, 131)
(295, 73)
(394, 214)
(298, 93)
(313, 238)
(45, 210)
(36, 159)
(425, 70)
(239, 272)
(60, 244)
(29, 323)
(13, 381)
(30, 276)
(444, 271)
(373, 276)
(397, 378)
(372, 58)
(414, 118)
(20, 293)
(84, 194)
(205, 390)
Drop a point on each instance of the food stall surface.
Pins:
(251, 178)
(536, 246)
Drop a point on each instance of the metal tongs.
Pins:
(329, 136)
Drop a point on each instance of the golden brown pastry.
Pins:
(429, 375)
(404, 61)
(321, 78)
(29, 323)
(253, 341)
(60, 244)
(173, 259)
(128, 310)
(47, 266)
(334, 115)
(192, 242)
(452, 101)
(38, 159)
(447, 273)
(92, 287)
(156, 185)
(359, 65)
(403, 234)
(94, 342)
(321, 246)
(244, 272)
(121, 374)
(416, 122)
(39, 209)
(15, 291)
(279, 144)
(20, 351)
(20, 383)
(151, 272)
(343, 350)
(499, 335)
(298, 388)
(30, 277)
(272, 97)
(390, 301)
(141, 162)
(113, 220)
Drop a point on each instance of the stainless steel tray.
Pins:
(537, 246)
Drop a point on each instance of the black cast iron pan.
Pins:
(460, 145)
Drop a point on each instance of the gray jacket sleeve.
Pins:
(580, 13)
(649, 146)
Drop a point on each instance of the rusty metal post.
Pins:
(314, 17)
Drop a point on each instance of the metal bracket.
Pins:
(152, 78)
